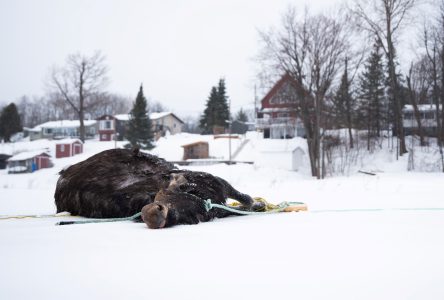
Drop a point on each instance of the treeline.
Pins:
(37, 110)
(348, 71)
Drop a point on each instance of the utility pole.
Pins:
(229, 131)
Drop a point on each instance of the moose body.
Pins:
(120, 182)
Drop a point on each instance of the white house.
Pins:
(62, 129)
(427, 115)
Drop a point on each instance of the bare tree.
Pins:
(384, 18)
(78, 81)
(434, 48)
(311, 50)
(418, 85)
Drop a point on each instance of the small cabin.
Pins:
(197, 150)
(68, 148)
(28, 162)
(3, 160)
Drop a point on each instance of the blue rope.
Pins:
(100, 220)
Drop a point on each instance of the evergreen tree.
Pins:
(9, 122)
(371, 90)
(223, 111)
(217, 111)
(343, 105)
(139, 132)
(241, 116)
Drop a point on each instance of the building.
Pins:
(62, 129)
(109, 126)
(164, 122)
(197, 150)
(427, 116)
(161, 122)
(68, 147)
(27, 162)
(277, 117)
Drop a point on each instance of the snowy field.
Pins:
(364, 237)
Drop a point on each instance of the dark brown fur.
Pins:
(120, 182)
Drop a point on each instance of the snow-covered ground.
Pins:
(364, 237)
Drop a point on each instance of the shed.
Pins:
(27, 162)
(68, 147)
(297, 158)
(239, 127)
(3, 159)
(196, 150)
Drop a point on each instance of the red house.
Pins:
(277, 117)
(68, 147)
(107, 127)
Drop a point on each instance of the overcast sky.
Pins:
(178, 49)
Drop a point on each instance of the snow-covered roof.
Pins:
(64, 124)
(421, 107)
(68, 141)
(153, 116)
(122, 117)
(159, 115)
(27, 155)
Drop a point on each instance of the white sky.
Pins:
(178, 49)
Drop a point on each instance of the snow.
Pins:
(68, 141)
(27, 155)
(357, 241)
(421, 107)
(153, 116)
(64, 124)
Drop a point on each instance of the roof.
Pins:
(28, 155)
(153, 116)
(194, 144)
(64, 124)
(286, 77)
(68, 141)
(421, 107)
(122, 117)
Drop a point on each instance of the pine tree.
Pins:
(241, 116)
(223, 111)
(139, 132)
(343, 104)
(371, 90)
(9, 122)
(216, 112)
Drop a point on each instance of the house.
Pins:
(112, 126)
(164, 122)
(27, 162)
(161, 122)
(197, 150)
(62, 129)
(3, 160)
(68, 147)
(427, 116)
(277, 117)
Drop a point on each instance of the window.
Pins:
(283, 115)
(106, 125)
(62, 148)
(48, 130)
